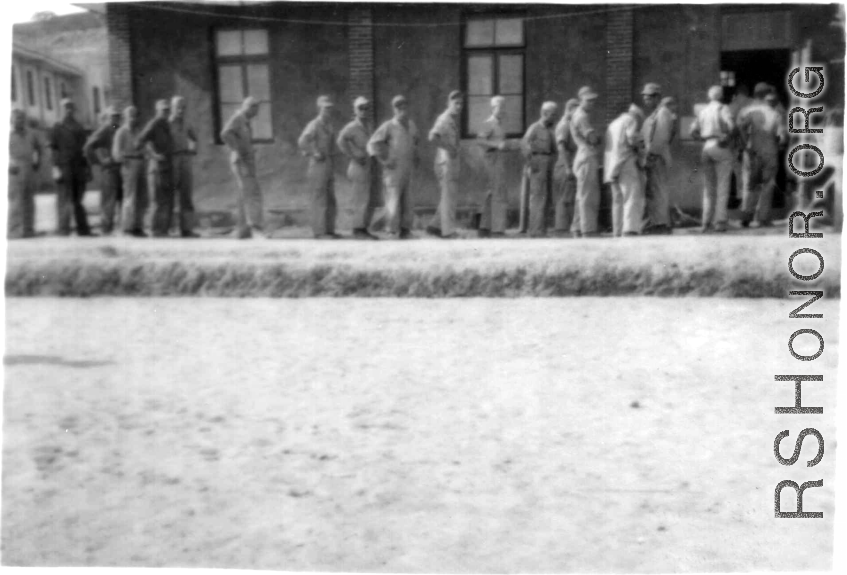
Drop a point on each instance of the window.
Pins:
(48, 93)
(95, 99)
(727, 78)
(30, 88)
(493, 59)
(14, 84)
(241, 59)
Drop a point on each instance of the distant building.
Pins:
(39, 82)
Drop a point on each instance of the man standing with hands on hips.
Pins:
(353, 142)
(317, 142)
(539, 150)
(445, 135)
(238, 136)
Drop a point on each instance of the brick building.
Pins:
(287, 53)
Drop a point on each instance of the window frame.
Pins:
(495, 52)
(31, 88)
(242, 60)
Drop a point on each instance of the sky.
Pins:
(22, 11)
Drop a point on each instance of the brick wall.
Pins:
(619, 47)
(361, 53)
(120, 54)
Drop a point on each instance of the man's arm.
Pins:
(439, 137)
(306, 142)
(118, 145)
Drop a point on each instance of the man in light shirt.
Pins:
(127, 151)
(495, 203)
(586, 164)
(317, 142)
(445, 135)
(564, 180)
(657, 133)
(353, 142)
(622, 165)
(539, 150)
(238, 136)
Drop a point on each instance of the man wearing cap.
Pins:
(564, 180)
(395, 145)
(715, 126)
(317, 142)
(495, 203)
(586, 164)
(657, 132)
(622, 170)
(185, 148)
(159, 142)
(445, 135)
(353, 142)
(539, 149)
(24, 159)
(127, 153)
(238, 136)
(762, 132)
(98, 150)
(70, 171)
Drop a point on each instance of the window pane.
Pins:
(48, 94)
(255, 41)
(511, 74)
(509, 32)
(480, 75)
(479, 109)
(513, 119)
(30, 88)
(258, 84)
(230, 84)
(229, 42)
(479, 33)
(262, 127)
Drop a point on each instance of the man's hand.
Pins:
(504, 145)
(56, 172)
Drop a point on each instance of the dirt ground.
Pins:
(392, 435)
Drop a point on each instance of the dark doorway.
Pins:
(748, 68)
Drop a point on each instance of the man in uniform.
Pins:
(70, 171)
(740, 100)
(714, 125)
(238, 136)
(539, 149)
(495, 203)
(127, 153)
(24, 159)
(159, 142)
(395, 145)
(762, 131)
(586, 163)
(317, 142)
(564, 180)
(622, 170)
(353, 142)
(657, 132)
(185, 148)
(445, 135)
(98, 150)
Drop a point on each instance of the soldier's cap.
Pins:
(762, 89)
(129, 109)
(177, 100)
(636, 111)
(398, 100)
(163, 105)
(571, 104)
(668, 100)
(586, 93)
(715, 93)
(549, 106)
(248, 102)
(325, 102)
(111, 111)
(497, 101)
(651, 89)
(67, 102)
(360, 101)
(771, 97)
(455, 95)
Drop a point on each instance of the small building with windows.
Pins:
(286, 54)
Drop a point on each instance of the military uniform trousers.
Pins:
(564, 197)
(657, 192)
(135, 200)
(69, 193)
(21, 217)
(447, 172)
(540, 168)
(322, 189)
(111, 196)
(365, 192)
(717, 164)
(758, 173)
(587, 192)
(627, 199)
(183, 182)
(398, 199)
(250, 207)
(495, 201)
(160, 182)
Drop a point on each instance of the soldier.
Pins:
(24, 159)
(714, 125)
(395, 145)
(445, 135)
(586, 163)
(127, 152)
(238, 136)
(657, 132)
(622, 169)
(70, 171)
(539, 147)
(156, 136)
(185, 148)
(740, 100)
(564, 180)
(353, 142)
(98, 150)
(762, 132)
(317, 142)
(492, 139)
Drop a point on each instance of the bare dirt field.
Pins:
(532, 435)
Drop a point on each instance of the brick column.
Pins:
(361, 53)
(619, 47)
(120, 54)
